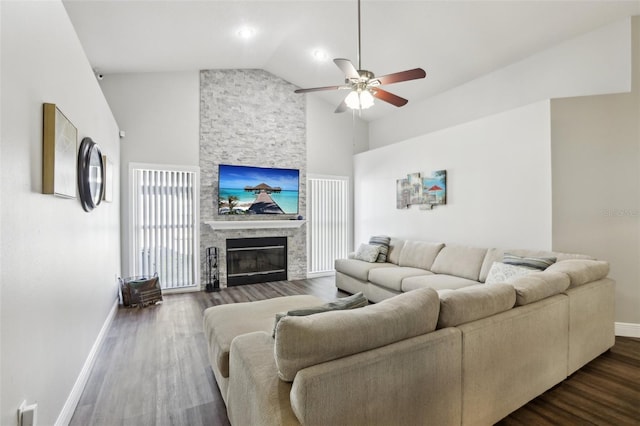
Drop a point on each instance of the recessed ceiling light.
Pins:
(246, 32)
(320, 55)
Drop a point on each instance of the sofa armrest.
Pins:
(414, 381)
(256, 395)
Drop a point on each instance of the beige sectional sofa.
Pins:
(440, 347)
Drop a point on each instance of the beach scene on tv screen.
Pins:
(257, 190)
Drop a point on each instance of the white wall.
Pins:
(498, 183)
(159, 113)
(594, 63)
(58, 263)
(332, 140)
(596, 184)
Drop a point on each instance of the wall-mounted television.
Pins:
(257, 190)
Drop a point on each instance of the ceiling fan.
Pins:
(364, 85)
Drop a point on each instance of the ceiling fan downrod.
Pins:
(359, 43)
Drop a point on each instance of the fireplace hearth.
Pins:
(256, 260)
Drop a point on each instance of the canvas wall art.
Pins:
(423, 191)
(415, 182)
(403, 193)
(59, 151)
(434, 188)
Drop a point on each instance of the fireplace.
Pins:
(256, 260)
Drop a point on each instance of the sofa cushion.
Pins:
(503, 273)
(383, 242)
(473, 303)
(461, 261)
(391, 278)
(224, 322)
(367, 252)
(256, 395)
(497, 255)
(538, 286)
(436, 282)
(540, 263)
(581, 271)
(357, 268)
(305, 341)
(350, 302)
(395, 248)
(419, 254)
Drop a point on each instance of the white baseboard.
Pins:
(320, 274)
(78, 387)
(627, 329)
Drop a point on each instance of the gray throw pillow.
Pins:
(383, 242)
(540, 263)
(350, 302)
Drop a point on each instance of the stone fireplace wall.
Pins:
(251, 118)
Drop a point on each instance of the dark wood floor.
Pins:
(153, 370)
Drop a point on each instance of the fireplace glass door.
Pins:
(255, 260)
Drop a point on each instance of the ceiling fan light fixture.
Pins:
(359, 99)
(246, 33)
(320, 55)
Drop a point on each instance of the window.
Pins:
(328, 222)
(164, 224)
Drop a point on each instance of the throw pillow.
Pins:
(350, 302)
(540, 263)
(383, 241)
(368, 252)
(504, 273)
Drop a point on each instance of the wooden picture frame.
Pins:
(59, 153)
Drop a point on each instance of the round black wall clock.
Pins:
(90, 172)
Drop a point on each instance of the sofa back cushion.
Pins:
(474, 302)
(497, 255)
(581, 271)
(461, 261)
(419, 254)
(305, 341)
(539, 285)
(395, 248)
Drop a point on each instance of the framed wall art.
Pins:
(108, 179)
(59, 150)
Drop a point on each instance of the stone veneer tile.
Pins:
(251, 118)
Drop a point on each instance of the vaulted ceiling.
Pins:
(454, 41)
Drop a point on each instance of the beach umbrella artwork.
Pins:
(435, 188)
(434, 192)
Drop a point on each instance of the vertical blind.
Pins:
(328, 222)
(164, 216)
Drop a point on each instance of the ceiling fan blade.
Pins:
(318, 89)
(389, 97)
(341, 108)
(347, 68)
(400, 76)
